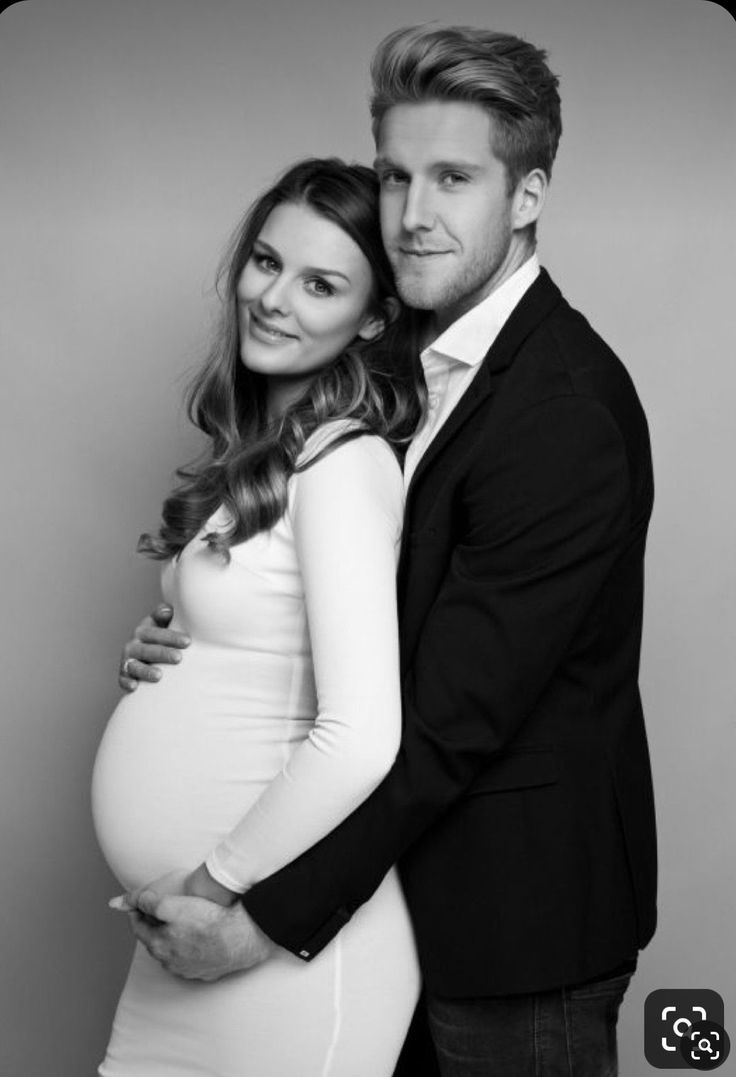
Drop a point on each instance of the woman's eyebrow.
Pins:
(327, 272)
(258, 242)
(316, 270)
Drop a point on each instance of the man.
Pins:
(520, 805)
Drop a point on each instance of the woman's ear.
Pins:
(375, 324)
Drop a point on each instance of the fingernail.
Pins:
(120, 903)
(176, 656)
(186, 640)
(157, 674)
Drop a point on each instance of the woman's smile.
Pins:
(265, 332)
(304, 295)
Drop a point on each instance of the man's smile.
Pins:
(421, 253)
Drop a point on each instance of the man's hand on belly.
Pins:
(198, 939)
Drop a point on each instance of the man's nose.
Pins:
(418, 211)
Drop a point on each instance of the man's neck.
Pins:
(518, 254)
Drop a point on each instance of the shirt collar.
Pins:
(468, 339)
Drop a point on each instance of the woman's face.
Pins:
(303, 295)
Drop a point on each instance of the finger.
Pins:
(147, 902)
(131, 896)
(120, 903)
(192, 913)
(142, 929)
(172, 908)
(127, 683)
(138, 670)
(154, 651)
(163, 614)
(150, 936)
(147, 653)
(167, 637)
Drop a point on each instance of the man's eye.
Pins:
(393, 179)
(453, 179)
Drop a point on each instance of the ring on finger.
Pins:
(125, 668)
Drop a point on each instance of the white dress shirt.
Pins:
(451, 362)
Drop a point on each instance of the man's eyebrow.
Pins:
(458, 165)
(315, 270)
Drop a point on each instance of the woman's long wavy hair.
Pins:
(376, 384)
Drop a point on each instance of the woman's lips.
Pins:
(262, 329)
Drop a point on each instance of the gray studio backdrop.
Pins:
(133, 135)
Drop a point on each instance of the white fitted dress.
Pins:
(282, 717)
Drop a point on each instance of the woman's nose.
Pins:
(275, 296)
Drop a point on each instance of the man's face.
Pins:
(446, 215)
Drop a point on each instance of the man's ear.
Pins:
(374, 324)
(528, 199)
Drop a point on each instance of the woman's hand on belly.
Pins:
(201, 884)
(172, 884)
(181, 883)
(153, 644)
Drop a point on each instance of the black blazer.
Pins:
(520, 805)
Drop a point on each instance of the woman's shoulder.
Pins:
(349, 443)
(342, 456)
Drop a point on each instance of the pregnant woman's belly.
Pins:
(181, 761)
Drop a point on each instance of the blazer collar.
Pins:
(533, 307)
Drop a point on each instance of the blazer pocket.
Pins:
(521, 768)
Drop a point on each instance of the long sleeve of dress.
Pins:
(346, 512)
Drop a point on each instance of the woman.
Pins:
(280, 555)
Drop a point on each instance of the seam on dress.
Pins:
(290, 723)
(336, 1009)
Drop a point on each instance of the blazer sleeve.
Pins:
(545, 512)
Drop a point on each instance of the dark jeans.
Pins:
(569, 1032)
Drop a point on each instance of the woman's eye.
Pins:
(320, 287)
(265, 262)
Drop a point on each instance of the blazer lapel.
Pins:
(533, 308)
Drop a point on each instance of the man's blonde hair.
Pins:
(502, 73)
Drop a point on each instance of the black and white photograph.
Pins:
(367, 382)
